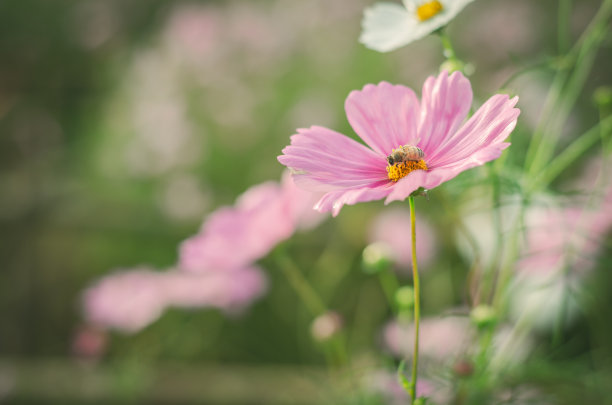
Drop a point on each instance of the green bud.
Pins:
(421, 401)
(603, 96)
(404, 298)
(376, 257)
(451, 65)
(483, 316)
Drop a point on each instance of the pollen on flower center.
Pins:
(427, 10)
(402, 169)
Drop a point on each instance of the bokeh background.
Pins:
(124, 123)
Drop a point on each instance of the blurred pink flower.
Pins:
(563, 236)
(128, 301)
(227, 290)
(215, 267)
(386, 384)
(195, 31)
(562, 243)
(263, 216)
(133, 299)
(386, 117)
(441, 339)
(392, 227)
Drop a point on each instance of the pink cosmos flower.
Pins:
(441, 338)
(386, 384)
(131, 300)
(565, 234)
(230, 291)
(127, 301)
(263, 216)
(387, 117)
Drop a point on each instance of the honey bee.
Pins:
(405, 153)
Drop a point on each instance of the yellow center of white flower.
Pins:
(402, 169)
(427, 10)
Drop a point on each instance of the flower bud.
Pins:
(326, 326)
(376, 257)
(463, 368)
(483, 316)
(404, 298)
(603, 96)
(452, 65)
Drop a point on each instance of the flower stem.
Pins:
(571, 153)
(449, 51)
(567, 86)
(315, 305)
(417, 305)
(301, 286)
(390, 285)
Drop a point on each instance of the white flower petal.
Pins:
(388, 26)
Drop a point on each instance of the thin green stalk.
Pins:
(570, 95)
(390, 285)
(313, 303)
(571, 153)
(563, 24)
(301, 286)
(536, 66)
(565, 90)
(493, 272)
(447, 45)
(548, 111)
(417, 303)
(507, 267)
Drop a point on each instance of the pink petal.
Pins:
(335, 200)
(445, 103)
(226, 290)
(301, 203)
(331, 160)
(385, 116)
(404, 187)
(491, 124)
(236, 236)
(125, 300)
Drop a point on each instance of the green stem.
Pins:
(314, 304)
(547, 111)
(510, 257)
(417, 304)
(533, 67)
(390, 285)
(493, 272)
(569, 155)
(449, 51)
(301, 286)
(566, 89)
(563, 24)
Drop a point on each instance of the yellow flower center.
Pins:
(427, 10)
(399, 170)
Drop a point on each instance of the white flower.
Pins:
(388, 26)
